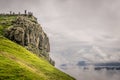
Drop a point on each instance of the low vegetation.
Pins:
(17, 63)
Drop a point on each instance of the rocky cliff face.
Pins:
(26, 31)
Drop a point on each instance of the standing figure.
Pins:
(25, 12)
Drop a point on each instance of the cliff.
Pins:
(24, 50)
(26, 31)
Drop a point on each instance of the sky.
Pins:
(79, 30)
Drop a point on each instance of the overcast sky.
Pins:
(79, 30)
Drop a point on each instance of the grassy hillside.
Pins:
(17, 63)
(5, 22)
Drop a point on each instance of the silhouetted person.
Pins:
(10, 12)
(25, 12)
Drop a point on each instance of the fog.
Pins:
(92, 74)
(78, 30)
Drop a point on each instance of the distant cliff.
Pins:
(26, 31)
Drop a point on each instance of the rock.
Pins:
(28, 33)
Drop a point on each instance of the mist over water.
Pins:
(91, 74)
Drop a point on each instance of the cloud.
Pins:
(78, 29)
(91, 74)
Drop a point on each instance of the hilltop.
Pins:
(26, 31)
(24, 50)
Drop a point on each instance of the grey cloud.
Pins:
(91, 74)
(76, 28)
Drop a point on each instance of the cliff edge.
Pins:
(21, 36)
(26, 31)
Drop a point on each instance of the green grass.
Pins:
(17, 63)
(5, 22)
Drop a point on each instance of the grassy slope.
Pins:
(17, 63)
(5, 22)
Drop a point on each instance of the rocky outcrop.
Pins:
(26, 31)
